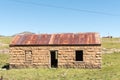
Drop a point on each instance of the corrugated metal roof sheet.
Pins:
(57, 39)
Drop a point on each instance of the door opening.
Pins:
(54, 59)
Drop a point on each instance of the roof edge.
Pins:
(58, 45)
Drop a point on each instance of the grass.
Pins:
(5, 40)
(4, 47)
(110, 71)
(110, 43)
(3, 59)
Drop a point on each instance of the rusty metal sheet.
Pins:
(76, 39)
(81, 38)
(64, 39)
(44, 39)
(55, 39)
(14, 40)
(20, 40)
(59, 39)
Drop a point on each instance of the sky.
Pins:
(60, 16)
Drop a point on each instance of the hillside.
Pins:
(25, 32)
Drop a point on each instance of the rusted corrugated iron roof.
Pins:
(57, 39)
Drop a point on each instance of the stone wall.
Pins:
(66, 56)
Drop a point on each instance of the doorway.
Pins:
(54, 59)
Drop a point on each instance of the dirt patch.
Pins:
(113, 50)
(4, 51)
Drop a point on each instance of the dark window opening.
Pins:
(54, 59)
(28, 56)
(79, 55)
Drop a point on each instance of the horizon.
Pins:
(64, 16)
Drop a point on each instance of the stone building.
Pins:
(65, 50)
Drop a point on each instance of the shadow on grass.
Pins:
(6, 66)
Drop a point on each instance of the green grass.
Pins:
(3, 59)
(110, 43)
(110, 71)
(5, 40)
(4, 47)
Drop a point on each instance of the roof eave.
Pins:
(12, 45)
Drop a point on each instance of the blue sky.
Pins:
(60, 16)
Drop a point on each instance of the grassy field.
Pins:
(110, 71)
(4, 58)
(110, 42)
(4, 42)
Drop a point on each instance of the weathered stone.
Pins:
(40, 56)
